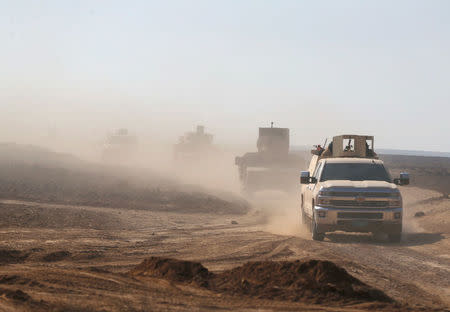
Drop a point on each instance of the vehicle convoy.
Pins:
(347, 188)
(119, 147)
(194, 146)
(273, 166)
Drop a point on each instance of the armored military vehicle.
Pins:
(347, 188)
(194, 146)
(273, 166)
(119, 147)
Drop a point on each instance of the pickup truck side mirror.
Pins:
(305, 178)
(404, 179)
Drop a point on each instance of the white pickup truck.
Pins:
(347, 188)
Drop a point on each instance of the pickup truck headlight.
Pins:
(396, 203)
(322, 198)
(325, 193)
(395, 200)
(323, 201)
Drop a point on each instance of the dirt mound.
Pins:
(89, 255)
(173, 270)
(317, 280)
(12, 256)
(15, 279)
(21, 301)
(17, 295)
(56, 256)
(311, 281)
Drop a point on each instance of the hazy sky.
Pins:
(158, 67)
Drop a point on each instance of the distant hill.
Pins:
(35, 155)
(386, 151)
(426, 171)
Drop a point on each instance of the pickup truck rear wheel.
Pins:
(314, 232)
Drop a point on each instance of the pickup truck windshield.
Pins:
(354, 172)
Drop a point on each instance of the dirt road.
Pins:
(74, 258)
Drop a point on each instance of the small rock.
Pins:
(244, 283)
(419, 214)
(234, 222)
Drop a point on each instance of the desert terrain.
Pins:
(78, 236)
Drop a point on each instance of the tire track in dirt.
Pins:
(400, 271)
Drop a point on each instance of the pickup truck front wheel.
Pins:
(395, 237)
(314, 232)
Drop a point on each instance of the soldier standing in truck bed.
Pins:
(328, 151)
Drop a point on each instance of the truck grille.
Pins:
(354, 203)
(349, 223)
(360, 215)
(363, 194)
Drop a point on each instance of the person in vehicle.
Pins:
(369, 151)
(328, 151)
(319, 149)
(349, 146)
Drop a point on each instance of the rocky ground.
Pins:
(189, 250)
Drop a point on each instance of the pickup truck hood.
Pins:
(358, 184)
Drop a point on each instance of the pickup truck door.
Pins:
(309, 191)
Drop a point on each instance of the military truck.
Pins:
(119, 147)
(273, 166)
(194, 146)
(347, 188)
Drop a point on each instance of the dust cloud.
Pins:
(280, 213)
(411, 226)
(152, 153)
